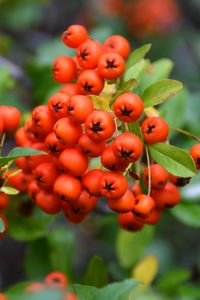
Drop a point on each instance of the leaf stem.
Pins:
(149, 170)
(186, 133)
(2, 142)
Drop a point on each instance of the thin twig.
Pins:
(186, 133)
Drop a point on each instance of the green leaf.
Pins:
(125, 87)
(37, 263)
(29, 228)
(161, 91)
(187, 213)
(19, 152)
(117, 291)
(9, 190)
(136, 71)
(2, 225)
(130, 246)
(135, 128)
(85, 292)
(97, 273)
(172, 279)
(137, 55)
(158, 70)
(61, 242)
(174, 160)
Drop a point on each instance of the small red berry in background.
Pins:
(159, 176)
(154, 130)
(195, 153)
(129, 221)
(166, 197)
(56, 280)
(10, 116)
(143, 206)
(64, 69)
(117, 44)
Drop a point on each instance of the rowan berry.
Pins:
(20, 181)
(4, 201)
(72, 215)
(88, 54)
(64, 69)
(113, 185)
(128, 107)
(1, 130)
(35, 160)
(10, 116)
(45, 174)
(159, 176)
(22, 163)
(90, 82)
(56, 280)
(52, 144)
(136, 189)
(195, 153)
(79, 108)
(85, 203)
(154, 130)
(100, 125)
(67, 131)
(4, 297)
(153, 218)
(111, 65)
(70, 89)
(70, 296)
(125, 203)
(110, 161)
(91, 181)
(127, 147)
(21, 138)
(48, 202)
(43, 120)
(74, 36)
(117, 44)
(67, 187)
(91, 147)
(32, 190)
(129, 221)
(144, 205)
(179, 181)
(74, 161)
(57, 105)
(166, 197)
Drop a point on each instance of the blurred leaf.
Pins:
(37, 262)
(97, 273)
(61, 242)
(169, 110)
(45, 294)
(175, 160)
(137, 54)
(169, 282)
(136, 71)
(6, 80)
(130, 246)
(2, 226)
(117, 291)
(9, 190)
(146, 270)
(19, 152)
(161, 91)
(16, 289)
(158, 70)
(85, 292)
(189, 292)
(187, 213)
(134, 127)
(29, 228)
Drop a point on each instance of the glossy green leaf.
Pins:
(136, 71)
(85, 292)
(125, 87)
(2, 226)
(134, 127)
(137, 55)
(160, 92)
(97, 273)
(61, 242)
(158, 70)
(174, 160)
(19, 152)
(187, 213)
(8, 190)
(130, 246)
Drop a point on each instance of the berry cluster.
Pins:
(74, 132)
(54, 280)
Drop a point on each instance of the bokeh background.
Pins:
(30, 33)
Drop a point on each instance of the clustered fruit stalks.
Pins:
(74, 132)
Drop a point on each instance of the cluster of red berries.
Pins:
(54, 280)
(9, 121)
(73, 132)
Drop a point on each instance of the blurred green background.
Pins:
(29, 42)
